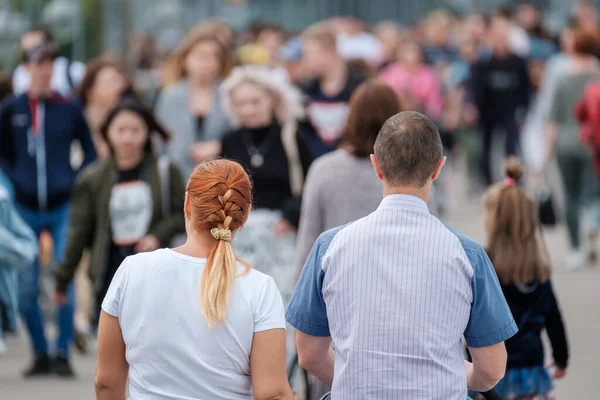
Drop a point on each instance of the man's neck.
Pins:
(422, 193)
(334, 80)
(40, 92)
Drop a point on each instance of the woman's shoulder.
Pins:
(94, 172)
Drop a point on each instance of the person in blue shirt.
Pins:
(383, 303)
(37, 132)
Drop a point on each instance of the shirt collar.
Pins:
(403, 201)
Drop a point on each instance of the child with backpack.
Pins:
(517, 250)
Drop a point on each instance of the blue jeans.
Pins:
(57, 223)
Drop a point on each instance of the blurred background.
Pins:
(437, 56)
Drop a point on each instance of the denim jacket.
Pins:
(18, 249)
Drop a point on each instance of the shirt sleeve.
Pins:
(491, 321)
(306, 311)
(555, 111)
(269, 312)
(114, 296)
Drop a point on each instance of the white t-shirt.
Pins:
(171, 351)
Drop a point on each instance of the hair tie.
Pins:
(510, 182)
(221, 234)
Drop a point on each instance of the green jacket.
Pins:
(89, 224)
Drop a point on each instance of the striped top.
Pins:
(397, 291)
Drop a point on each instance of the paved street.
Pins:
(578, 293)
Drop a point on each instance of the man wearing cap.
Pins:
(37, 130)
(383, 303)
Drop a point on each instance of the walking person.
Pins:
(517, 250)
(37, 132)
(104, 83)
(66, 74)
(217, 323)
(190, 106)
(271, 142)
(501, 91)
(562, 140)
(388, 298)
(18, 249)
(129, 203)
(330, 88)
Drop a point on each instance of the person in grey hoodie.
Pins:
(190, 107)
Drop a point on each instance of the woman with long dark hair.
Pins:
(129, 203)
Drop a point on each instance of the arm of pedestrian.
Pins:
(111, 367)
(316, 356)
(81, 231)
(555, 329)
(267, 366)
(488, 367)
(490, 324)
(18, 243)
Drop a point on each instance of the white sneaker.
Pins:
(2, 347)
(576, 260)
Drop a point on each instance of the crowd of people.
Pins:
(97, 156)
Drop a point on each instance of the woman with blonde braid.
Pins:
(193, 322)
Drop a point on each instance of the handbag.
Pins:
(546, 209)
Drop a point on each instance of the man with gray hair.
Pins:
(382, 304)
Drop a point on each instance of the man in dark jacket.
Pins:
(37, 131)
(501, 92)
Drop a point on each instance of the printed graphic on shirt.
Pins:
(130, 212)
(328, 119)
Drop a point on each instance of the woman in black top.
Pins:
(269, 141)
(519, 255)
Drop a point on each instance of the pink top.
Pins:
(422, 84)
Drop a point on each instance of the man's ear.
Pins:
(376, 167)
(438, 168)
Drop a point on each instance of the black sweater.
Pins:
(534, 308)
(500, 86)
(271, 180)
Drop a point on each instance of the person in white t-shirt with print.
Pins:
(193, 322)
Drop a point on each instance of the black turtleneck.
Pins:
(271, 179)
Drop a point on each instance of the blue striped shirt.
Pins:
(397, 291)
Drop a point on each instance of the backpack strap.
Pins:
(69, 77)
(164, 165)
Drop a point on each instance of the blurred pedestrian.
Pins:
(129, 203)
(18, 249)
(562, 140)
(400, 288)
(439, 49)
(37, 132)
(66, 74)
(390, 35)
(190, 106)
(271, 143)
(417, 84)
(501, 92)
(330, 88)
(101, 88)
(355, 42)
(217, 323)
(519, 255)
